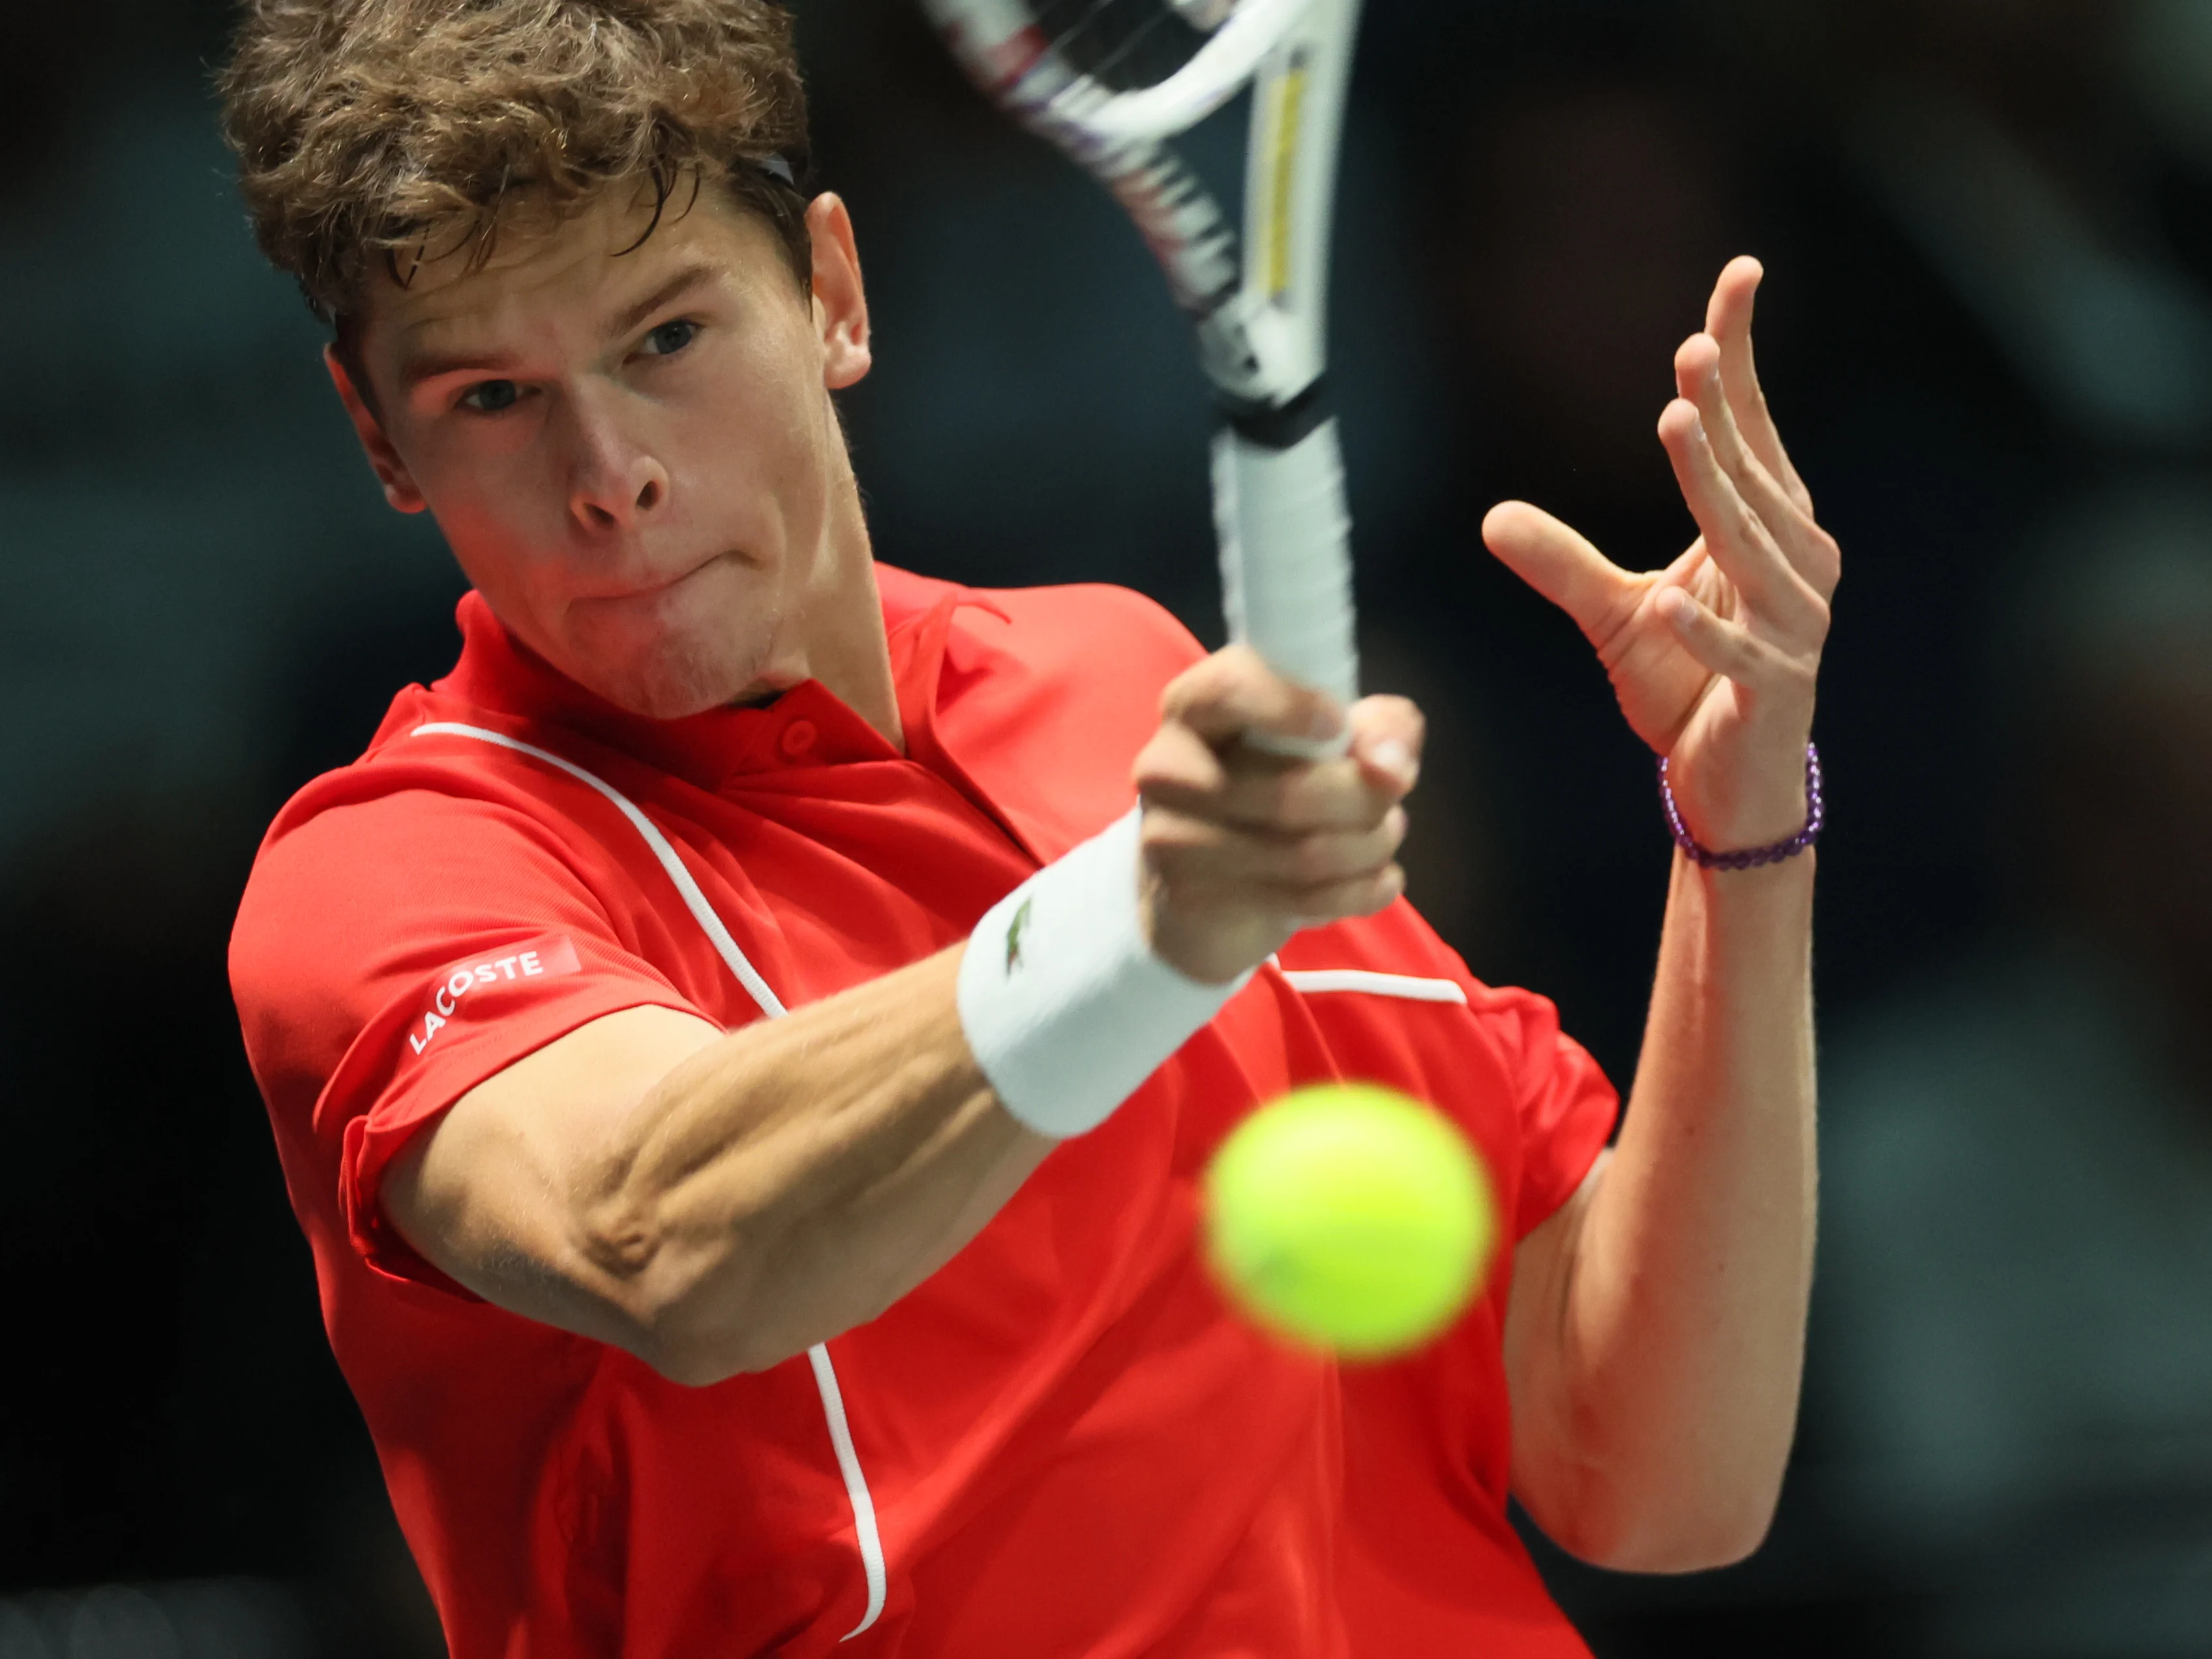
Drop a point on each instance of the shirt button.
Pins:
(798, 738)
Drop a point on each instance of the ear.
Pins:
(840, 303)
(391, 471)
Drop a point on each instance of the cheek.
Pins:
(770, 404)
(493, 493)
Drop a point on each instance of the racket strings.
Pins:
(1128, 50)
(1123, 45)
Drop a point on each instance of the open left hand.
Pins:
(1714, 659)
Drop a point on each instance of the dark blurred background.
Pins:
(1988, 332)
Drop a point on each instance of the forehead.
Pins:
(543, 279)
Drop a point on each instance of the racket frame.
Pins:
(1260, 313)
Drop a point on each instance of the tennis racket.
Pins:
(1110, 82)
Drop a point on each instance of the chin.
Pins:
(710, 641)
(675, 675)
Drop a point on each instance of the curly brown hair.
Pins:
(401, 130)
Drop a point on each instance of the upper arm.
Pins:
(397, 954)
(507, 1190)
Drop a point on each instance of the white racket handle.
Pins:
(1285, 538)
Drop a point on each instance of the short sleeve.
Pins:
(1566, 1106)
(390, 955)
(1530, 1096)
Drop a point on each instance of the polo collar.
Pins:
(807, 727)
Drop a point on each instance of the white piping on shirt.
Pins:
(865, 1530)
(694, 900)
(1405, 987)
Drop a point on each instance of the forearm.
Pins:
(1654, 1333)
(797, 1178)
(716, 1202)
(1681, 1307)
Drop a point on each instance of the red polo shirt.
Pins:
(1062, 1443)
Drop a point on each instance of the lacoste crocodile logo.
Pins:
(1014, 936)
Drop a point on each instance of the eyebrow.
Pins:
(686, 276)
(413, 372)
(680, 283)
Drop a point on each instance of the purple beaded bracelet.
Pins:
(1816, 817)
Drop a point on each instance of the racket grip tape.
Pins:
(1285, 536)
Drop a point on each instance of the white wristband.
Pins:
(1065, 1006)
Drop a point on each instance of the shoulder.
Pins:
(1066, 612)
(1044, 696)
(349, 844)
(1089, 644)
(1092, 629)
(368, 869)
(1082, 616)
(408, 814)
(1396, 957)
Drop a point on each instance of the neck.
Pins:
(846, 648)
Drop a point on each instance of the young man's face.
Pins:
(632, 453)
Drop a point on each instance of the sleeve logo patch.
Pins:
(543, 958)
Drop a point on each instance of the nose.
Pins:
(616, 481)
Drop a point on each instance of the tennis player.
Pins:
(742, 1044)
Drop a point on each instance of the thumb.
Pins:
(1561, 565)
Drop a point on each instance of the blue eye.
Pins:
(672, 338)
(491, 396)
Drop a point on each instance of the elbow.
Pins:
(693, 1348)
(1677, 1548)
(1665, 1530)
(1703, 1543)
(698, 1354)
(702, 1302)
(691, 1319)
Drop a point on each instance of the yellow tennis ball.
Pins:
(1350, 1216)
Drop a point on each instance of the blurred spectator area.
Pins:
(2015, 1324)
(1988, 329)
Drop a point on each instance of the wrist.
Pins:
(1064, 1002)
(1203, 948)
(1750, 848)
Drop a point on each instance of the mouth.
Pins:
(647, 592)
